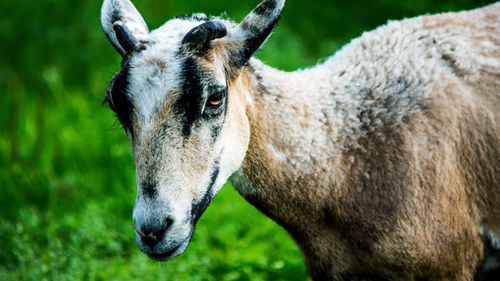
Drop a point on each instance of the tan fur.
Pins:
(156, 61)
(404, 197)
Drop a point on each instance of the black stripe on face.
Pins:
(189, 107)
(190, 104)
(198, 208)
(118, 98)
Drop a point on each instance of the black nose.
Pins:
(152, 234)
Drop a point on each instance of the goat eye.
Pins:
(215, 100)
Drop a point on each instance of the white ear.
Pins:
(123, 11)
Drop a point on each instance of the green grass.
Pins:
(95, 242)
(67, 180)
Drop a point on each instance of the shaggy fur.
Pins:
(385, 160)
(383, 163)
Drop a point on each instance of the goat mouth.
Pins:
(172, 252)
(166, 255)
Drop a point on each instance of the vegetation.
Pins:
(66, 172)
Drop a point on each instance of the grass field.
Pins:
(66, 172)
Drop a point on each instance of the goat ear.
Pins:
(253, 31)
(123, 25)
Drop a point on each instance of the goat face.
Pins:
(187, 130)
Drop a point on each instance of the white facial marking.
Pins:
(150, 83)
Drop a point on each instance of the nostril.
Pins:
(158, 235)
(168, 222)
(151, 235)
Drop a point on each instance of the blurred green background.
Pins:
(67, 183)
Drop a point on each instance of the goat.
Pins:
(383, 162)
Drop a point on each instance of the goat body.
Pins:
(384, 160)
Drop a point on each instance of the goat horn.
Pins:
(199, 37)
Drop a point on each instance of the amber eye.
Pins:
(215, 99)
